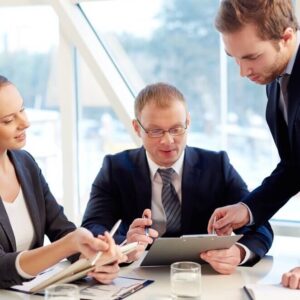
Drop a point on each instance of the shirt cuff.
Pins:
(248, 254)
(251, 221)
(19, 269)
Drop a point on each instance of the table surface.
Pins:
(284, 255)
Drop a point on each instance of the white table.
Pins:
(284, 255)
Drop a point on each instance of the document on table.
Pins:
(270, 291)
(120, 288)
(75, 271)
(90, 289)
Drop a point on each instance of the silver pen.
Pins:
(213, 227)
(146, 227)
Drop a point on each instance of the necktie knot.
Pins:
(166, 175)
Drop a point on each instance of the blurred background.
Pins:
(79, 65)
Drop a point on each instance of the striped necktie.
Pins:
(170, 201)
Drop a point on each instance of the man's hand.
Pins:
(228, 218)
(224, 261)
(137, 233)
(291, 279)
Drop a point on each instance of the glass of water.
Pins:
(186, 280)
(62, 292)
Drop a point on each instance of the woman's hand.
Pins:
(83, 241)
(109, 271)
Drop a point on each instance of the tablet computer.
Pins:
(165, 251)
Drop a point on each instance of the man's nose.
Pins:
(244, 68)
(167, 138)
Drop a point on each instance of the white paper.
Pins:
(28, 285)
(272, 292)
(120, 287)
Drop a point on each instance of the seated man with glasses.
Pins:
(166, 188)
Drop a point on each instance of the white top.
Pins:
(22, 227)
(158, 214)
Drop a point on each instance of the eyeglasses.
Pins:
(158, 132)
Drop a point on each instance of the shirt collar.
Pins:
(290, 65)
(177, 166)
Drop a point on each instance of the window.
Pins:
(147, 41)
(28, 51)
(100, 130)
(176, 42)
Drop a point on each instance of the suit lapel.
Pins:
(7, 227)
(294, 96)
(25, 179)
(142, 181)
(275, 120)
(192, 169)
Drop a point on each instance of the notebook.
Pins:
(70, 273)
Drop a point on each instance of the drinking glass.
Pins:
(185, 280)
(62, 292)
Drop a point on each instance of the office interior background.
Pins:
(79, 65)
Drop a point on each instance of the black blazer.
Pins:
(46, 215)
(284, 181)
(122, 190)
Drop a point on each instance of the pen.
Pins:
(115, 227)
(135, 289)
(213, 229)
(112, 232)
(146, 227)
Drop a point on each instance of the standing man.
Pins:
(263, 37)
(169, 185)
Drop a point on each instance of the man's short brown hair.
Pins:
(162, 94)
(271, 17)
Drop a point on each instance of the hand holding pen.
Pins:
(147, 215)
(140, 231)
(107, 272)
(213, 226)
(111, 233)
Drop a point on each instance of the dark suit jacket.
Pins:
(284, 181)
(46, 215)
(122, 190)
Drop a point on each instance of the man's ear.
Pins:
(188, 119)
(288, 35)
(136, 127)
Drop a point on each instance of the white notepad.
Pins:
(271, 292)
